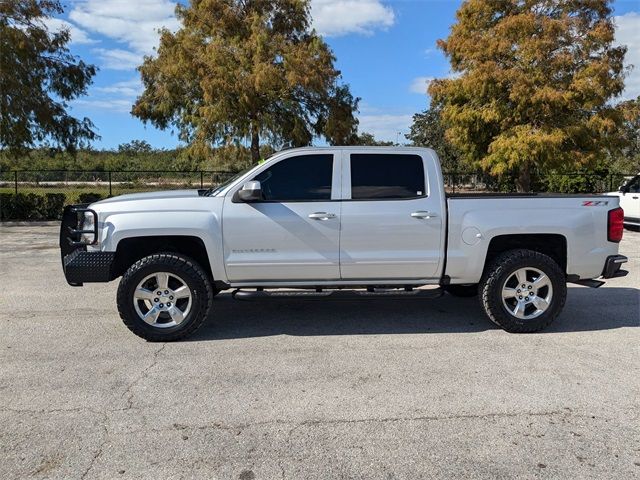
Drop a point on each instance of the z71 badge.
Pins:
(595, 203)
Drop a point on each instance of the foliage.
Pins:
(428, 130)
(132, 156)
(627, 156)
(31, 206)
(238, 69)
(368, 140)
(38, 77)
(135, 147)
(532, 84)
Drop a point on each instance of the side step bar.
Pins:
(260, 294)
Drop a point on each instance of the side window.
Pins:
(386, 176)
(305, 177)
(634, 185)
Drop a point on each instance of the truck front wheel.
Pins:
(164, 297)
(523, 291)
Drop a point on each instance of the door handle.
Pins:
(322, 215)
(635, 198)
(423, 214)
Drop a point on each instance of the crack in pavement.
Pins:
(100, 448)
(316, 422)
(141, 376)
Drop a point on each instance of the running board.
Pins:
(589, 282)
(336, 294)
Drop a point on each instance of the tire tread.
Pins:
(180, 262)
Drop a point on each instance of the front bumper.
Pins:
(78, 264)
(612, 266)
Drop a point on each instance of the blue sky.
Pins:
(385, 50)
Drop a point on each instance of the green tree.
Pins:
(533, 84)
(368, 140)
(628, 154)
(135, 147)
(428, 130)
(38, 77)
(245, 69)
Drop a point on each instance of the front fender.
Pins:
(205, 225)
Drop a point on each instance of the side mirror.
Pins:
(250, 192)
(623, 188)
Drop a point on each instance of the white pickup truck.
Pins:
(629, 194)
(372, 222)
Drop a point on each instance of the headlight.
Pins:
(88, 223)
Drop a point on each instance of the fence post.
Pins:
(110, 194)
(201, 179)
(15, 180)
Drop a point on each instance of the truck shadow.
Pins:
(586, 310)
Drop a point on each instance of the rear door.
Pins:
(391, 223)
(293, 233)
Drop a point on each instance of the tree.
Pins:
(38, 77)
(245, 69)
(532, 84)
(135, 147)
(368, 140)
(628, 153)
(428, 130)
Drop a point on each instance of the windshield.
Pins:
(215, 190)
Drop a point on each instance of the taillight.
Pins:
(615, 225)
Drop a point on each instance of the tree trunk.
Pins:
(524, 178)
(255, 143)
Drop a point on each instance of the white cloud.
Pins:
(386, 126)
(117, 59)
(126, 89)
(134, 23)
(114, 105)
(428, 52)
(628, 33)
(340, 17)
(420, 84)
(77, 35)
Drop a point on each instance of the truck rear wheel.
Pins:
(164, 297)
(523, 291)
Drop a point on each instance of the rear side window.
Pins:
(305, 177)
(386, 176)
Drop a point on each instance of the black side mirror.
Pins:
(250, 192)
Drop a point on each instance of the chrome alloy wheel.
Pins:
(162, 300)
(527, 293)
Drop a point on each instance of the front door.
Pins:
(630, 200)
(391, 224)
(292, 234)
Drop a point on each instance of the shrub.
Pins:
(32, 206)
(89, 197)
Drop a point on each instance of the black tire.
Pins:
(465, 291)
(501, 270)
(187, 270)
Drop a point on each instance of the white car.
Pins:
(374, 221)
(629, 194)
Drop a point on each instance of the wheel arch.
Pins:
(552, 244)
(131, 249)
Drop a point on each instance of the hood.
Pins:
(167, 194)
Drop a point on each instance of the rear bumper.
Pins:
(612, 266)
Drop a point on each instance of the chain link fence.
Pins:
(41, 194)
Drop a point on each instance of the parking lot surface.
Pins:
(384, 389)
